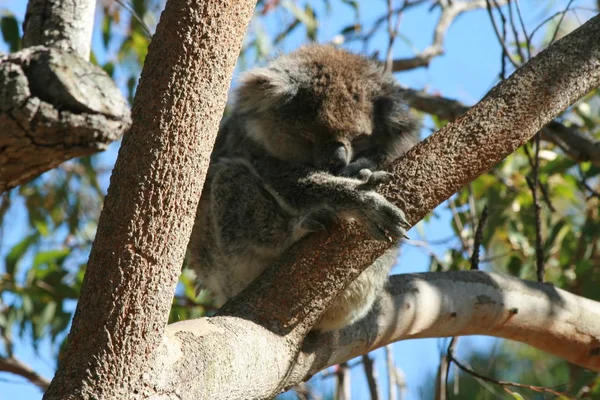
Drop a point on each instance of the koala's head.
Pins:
(324, 106)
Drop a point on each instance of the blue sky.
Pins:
(467, 70)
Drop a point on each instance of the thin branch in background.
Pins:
(342, 374)
(459, 225)
(504, 55)
(428, 250)
(304, 392)
(562, 17)
(449, 11)
(366, 37)
(129, 7)
(371, 375)
(524, 29)
(445, 367)
(499, 36)
(585, 184)
(556, 14)
(441, 381)
(515, 32)
(539, 250)
(396, 378)
(505, 384)
(392, 32)
(17, 367)
(478, 238)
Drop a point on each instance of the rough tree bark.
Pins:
(149, 210)
(118, 347)
(54, 104)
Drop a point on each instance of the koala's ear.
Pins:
(264, 88)
(396, 129)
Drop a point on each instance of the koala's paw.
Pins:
(319, 219)
(382, 219)
(355, 168)
(373, 178)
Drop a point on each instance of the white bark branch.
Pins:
(450, 11)
(60, 24)
(471, 303)
(54, 106)
(415, 306)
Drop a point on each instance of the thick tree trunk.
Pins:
(151, 203)
(54, 104)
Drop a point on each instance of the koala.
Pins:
(302, 149)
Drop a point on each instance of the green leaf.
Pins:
(50, 256)
(107, 23)
(516, 395)
(18, 251)
(306, 16)
(10, 32)
(44, 320)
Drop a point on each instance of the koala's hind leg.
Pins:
(355, 302)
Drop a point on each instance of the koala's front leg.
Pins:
(335, 198)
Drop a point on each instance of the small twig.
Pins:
(392, 33)
(478, 238)
(390, 371)
(524, 29)
(459, 225)
(342, 374)
(127, 6)
(515, 32)
(371, 375)
(17, 367)
(499, 36)
(504, 55)
(539, 250)
(593, 193)
(450, 11)
(504, 384)
(396, 378)
(562, 17)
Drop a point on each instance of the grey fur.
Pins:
(300, 151)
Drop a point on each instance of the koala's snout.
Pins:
(337, 156)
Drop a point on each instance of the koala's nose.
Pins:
(338, 156)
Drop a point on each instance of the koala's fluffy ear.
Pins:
(264, 88)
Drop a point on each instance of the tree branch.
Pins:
(578, 145)
(17, 367)
(60, 24)
(54, 106)
(450, 11)
(223, 349)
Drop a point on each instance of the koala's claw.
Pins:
(383, 220)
